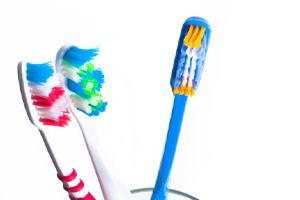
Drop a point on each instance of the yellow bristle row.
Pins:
(188, 91)
(176, 90)
(184, 90)
(194, 36)
(188, 36)
(197, 43)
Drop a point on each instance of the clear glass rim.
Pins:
(149, 189)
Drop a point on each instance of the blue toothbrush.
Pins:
(185, 78)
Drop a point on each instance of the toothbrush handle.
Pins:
(161, 186)
(110, 189)
(75, 187)
(71, 183)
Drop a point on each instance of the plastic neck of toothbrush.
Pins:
(109, 186)
(161, 186)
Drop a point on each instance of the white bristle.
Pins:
(185, 74)
(53, 112)
(70, 72)
(95, 100)
(44, 90)
(80, 103)
(40, 90)
(195, 57)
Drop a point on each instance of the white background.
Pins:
(240, 136)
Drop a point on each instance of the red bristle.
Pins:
(61, 121)
(50, 122)
(56, 92)
(47, 102)
(41, 101)
(64, 119)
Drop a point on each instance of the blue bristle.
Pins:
(77, 57)
(76, 88)
(99, 76)
(180, 68)
(97, 111)
(39, 73)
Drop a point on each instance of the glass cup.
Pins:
(145, 194)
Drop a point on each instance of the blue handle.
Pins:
(161, 186)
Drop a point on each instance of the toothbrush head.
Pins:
(190, 56)
(43, 95)
(82, 77)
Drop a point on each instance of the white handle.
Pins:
(110, 188)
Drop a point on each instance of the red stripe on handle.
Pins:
(68, 178)
(89, 196)
(76, 188)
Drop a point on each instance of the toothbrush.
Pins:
(83, 80)
(48, 110)
(185, 78)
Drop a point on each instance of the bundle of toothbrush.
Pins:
(59, 100)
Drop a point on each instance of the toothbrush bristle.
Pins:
(191, 60)
(47, 95)
(56, 93)
(83, 79)
(77, 57)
